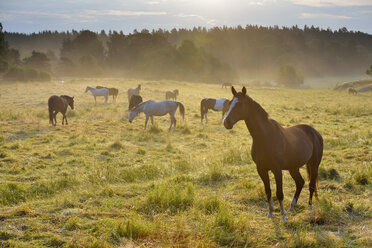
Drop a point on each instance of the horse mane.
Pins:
(258, 108)
(65, 96)
(136, 108)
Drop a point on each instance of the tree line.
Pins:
(210, 55)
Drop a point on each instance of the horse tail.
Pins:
(312, 165)
(182, 110)
(202, 109)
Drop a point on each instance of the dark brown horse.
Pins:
(134, 101)
(112, 92)
(59, 104)
(275, 148)
(222, 104)
(352, 91)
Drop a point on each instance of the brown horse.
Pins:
(171, 94)
(134, 101)
(222, 104)
(59, 104)
(112, 92)
(275, 148)
(132, 92)
(226, 85)
(352, 91)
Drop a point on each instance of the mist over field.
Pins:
(215, 55)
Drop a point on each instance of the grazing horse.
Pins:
(352, 91)
(98, 92)
(275, 148)
(132, 92)
(226, 85)
(134, 101)
(151, 108)
(59, 104)
(112, 92)
(222, 104)
(171, 94)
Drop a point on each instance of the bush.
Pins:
(289, 76)
(44, 76)
(15, 73)
(26, 73)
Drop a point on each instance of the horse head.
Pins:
(71, 102)
(236, 111)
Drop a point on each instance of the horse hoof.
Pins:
(284, 219)
(291, 209)
(270, 215)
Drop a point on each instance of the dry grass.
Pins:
(102, 182)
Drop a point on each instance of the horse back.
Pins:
(56, 103)
(304, 144)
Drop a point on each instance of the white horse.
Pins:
(98, 92)
(132, 92)
(151, 108)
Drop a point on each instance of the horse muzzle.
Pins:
(228, 124)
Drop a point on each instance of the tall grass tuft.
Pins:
(211, 204)
(117, 145)
(169, 197)
(224, 227)
(134, 228)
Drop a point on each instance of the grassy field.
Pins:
(103, 182)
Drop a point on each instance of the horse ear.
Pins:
(244, 90)
(73, 97)
(233, 90)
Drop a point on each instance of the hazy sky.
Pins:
(37, 15)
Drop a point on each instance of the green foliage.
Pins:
(85, 43)
(289, 76)
(369, 71)
(187, 62)
(38, 60)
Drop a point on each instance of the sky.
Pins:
(27, 16)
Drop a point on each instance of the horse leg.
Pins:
(296, 175)
(171, 122)
(147, 119)
(206, 117)
(152, 120)
(64, 115)
(266, 180)
(174, 123)
(95, 100)
(223, 114)
(55, 118)
(312, 184)
(279, 191)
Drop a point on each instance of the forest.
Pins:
(219, 54)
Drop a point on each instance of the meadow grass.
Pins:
(103, 182)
